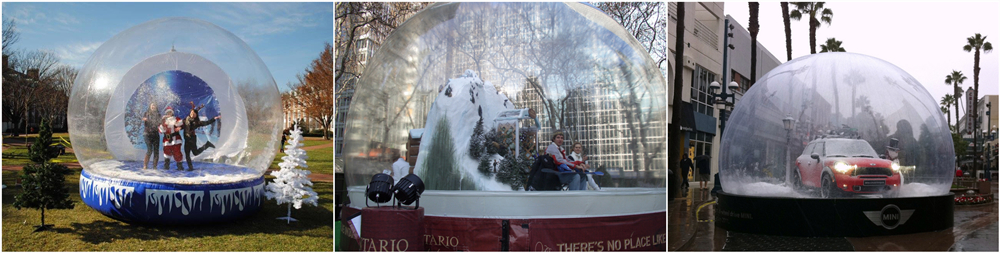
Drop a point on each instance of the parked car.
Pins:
(57, 149)
(842, 166)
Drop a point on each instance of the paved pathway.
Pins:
(691, 228)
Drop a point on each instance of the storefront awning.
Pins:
(687, 121)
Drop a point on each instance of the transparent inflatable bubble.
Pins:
(837, 125)
(471, 93)
(175, 89)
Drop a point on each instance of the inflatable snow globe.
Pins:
(845, 138)
(837, 125)
(470, 95)
(174, 121)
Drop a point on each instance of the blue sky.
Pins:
(286, 36)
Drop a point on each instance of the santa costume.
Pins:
(170, 128)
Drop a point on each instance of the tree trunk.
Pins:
(788, 29)
(754, 29)
(289, 220)
(975, 112)
(43, 218)
(956, 104)
(813, 25)
(675, 135)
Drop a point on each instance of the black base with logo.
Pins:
(844, 217)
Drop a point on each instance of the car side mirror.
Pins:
(815, 156)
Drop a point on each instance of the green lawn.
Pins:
(320, 160)
(18, 154)
(83, 229)
(310, 142)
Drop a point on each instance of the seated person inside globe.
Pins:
(577, 155)
(190, 125)
(574, 180)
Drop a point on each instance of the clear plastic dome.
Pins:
(178, 64)
(837, 125)
(521, 71)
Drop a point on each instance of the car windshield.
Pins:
(849, 148)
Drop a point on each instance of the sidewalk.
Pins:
(693, 229)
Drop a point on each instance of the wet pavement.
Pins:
(691, 228)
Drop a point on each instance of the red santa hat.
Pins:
(169, 110)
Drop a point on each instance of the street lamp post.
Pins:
(789, 125)
(722, 98)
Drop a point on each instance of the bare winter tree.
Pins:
(10, 34)
(645, 21)
(19, 96)
(364, 21)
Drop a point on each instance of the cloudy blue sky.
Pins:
(286, 36)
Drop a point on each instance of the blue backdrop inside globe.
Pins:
(176, 89)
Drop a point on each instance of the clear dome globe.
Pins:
(226, 110)
(470, 93)
(837, 125)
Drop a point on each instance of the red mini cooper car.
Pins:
(840, 166)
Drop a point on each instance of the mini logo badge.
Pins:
(872, 164)
(889, 217)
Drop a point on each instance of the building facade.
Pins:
(987, 125)
(703, 64)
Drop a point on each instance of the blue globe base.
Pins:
(174, 204)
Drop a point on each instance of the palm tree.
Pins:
(832, 45)
(955, 79)
(976, 42)
(944, 109)
(788, 29)
(675, 132)
(754, 28)
(946, 101)
(854, 79)
(812, 8)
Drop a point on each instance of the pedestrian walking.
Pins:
(704, 169)
(686, 167)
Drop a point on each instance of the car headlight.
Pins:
(895, 166)
(842, 167)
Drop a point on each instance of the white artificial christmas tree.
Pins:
(292, 185)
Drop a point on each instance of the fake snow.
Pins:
(922, 190)
(461, 108)
(765, 189)
(203, 173)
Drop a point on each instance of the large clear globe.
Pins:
(175, 100)
(469, 94)
(837, 125)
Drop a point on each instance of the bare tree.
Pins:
(10, 34)
(20, 95)
(645, 21)
(364, 20)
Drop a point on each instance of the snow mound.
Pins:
(765, 189)
(459, 102)
(203, 173)
(922, 190)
